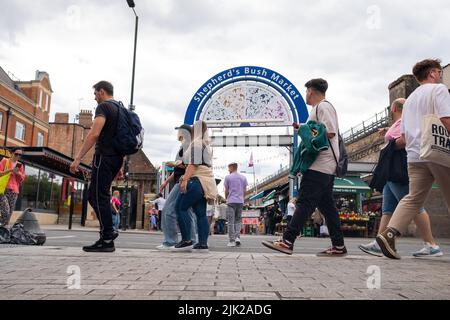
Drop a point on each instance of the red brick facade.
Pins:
(68, 138)
(25, 106)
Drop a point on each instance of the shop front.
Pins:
(349, 194)
(49, 187)
(250, 221)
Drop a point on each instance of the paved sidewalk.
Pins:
(61, 227)
(42, 273)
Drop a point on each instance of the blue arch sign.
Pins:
(265, 76)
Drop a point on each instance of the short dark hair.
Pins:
(320, 85)
(422, 69)
(233, 165)
(105, 85)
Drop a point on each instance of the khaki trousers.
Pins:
(422, 175)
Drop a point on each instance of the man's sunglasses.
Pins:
(17, 154)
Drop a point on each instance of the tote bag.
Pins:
(435, 139)
(4, 179)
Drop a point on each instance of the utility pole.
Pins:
(131, 107)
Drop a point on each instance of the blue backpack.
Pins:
(129, 138)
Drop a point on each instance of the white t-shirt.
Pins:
(416, 107)
(210, 210)
(291, 209)
(325, 162)
(160, 202)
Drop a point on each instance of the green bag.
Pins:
(5, 179)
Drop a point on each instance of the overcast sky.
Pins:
(358, 46)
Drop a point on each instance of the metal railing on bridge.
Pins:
(280, 172)
(367, 127)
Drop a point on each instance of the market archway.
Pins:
(250, 96)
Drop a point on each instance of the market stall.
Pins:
(250, 221)
(349, 193)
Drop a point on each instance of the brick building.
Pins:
(67, 137)
(24, 110)
(24, 122)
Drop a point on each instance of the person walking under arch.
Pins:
(198, 187)
(316, 187)
(169, 221)
(235, 186)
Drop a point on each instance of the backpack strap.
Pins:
(329, 141)
(118, 105)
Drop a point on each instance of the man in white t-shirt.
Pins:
(422, 174)
(160, 202)
(316, 186)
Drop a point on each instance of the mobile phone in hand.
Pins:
(18, 165)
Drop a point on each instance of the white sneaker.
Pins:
(231, 244)
(429, 251)
(238, 241)
(371, 248)
(163, 247)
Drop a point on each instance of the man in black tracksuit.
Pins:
(106, 165)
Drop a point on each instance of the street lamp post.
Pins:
(131, 107)
(132, 5)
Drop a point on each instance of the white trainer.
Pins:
(163, 247)
(429, 251)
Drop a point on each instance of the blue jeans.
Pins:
(116, 221)
(393, 192)
(193, 198)
(169, 218)
(220, 226)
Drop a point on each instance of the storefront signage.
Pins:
(250, 221)
(251, 214)
(254, 93)
(346, 190)
(5, 153)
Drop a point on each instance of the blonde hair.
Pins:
(293, 201)
(116, 193)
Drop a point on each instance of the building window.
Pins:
(47, 100)
(40, 140)
(20, 131)
(42, 191)
(44, 103)
(40, 99)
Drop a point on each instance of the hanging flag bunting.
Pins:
(250, 163)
